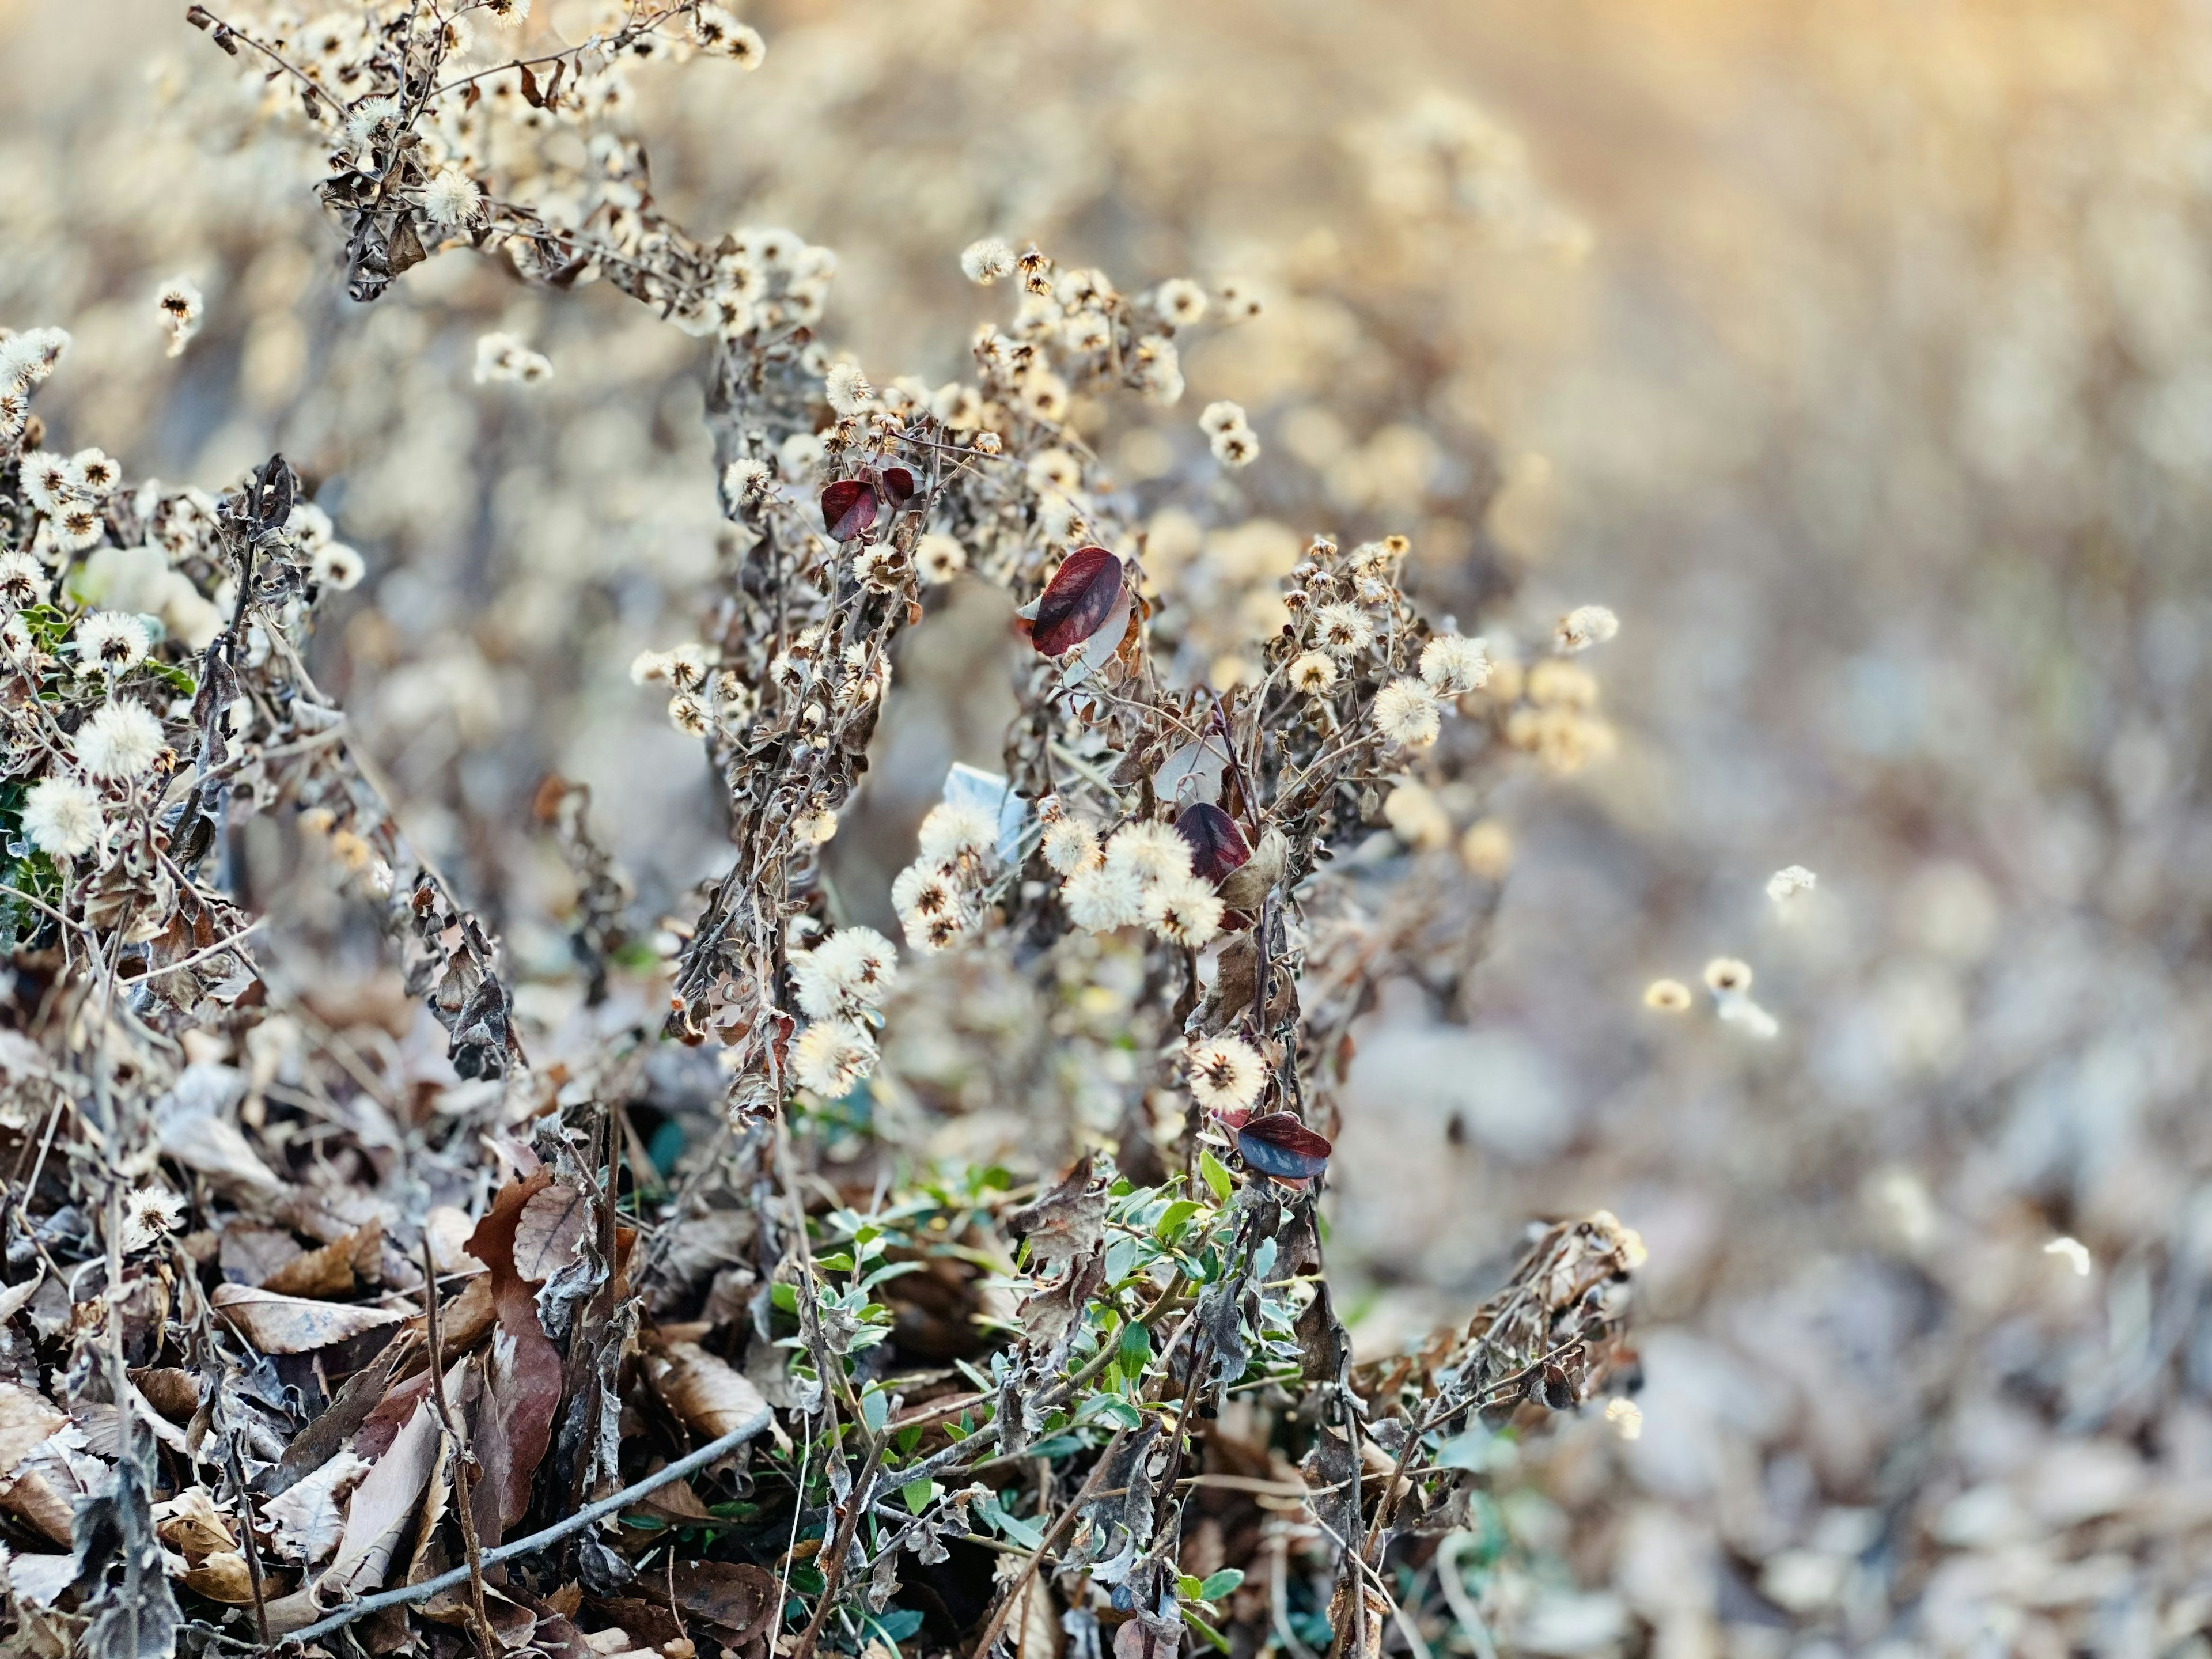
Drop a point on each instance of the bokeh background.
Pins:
(1858, 354)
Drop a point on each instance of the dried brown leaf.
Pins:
(711, 1396)
(294, 1324)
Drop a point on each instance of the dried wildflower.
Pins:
(1313, 672)
(111, 640)
(2074, 1252)
(1553, 683)
(1101, 897)
(921, 890)
(179, 305)
(451, 199)
(686, 666)
(47, 483)
(1406, 714)
(337, 565)
(1727, 976)
(1626, 1417)
(938, 558)
(25, 359)
(949, 830)
(987, 261)
(1583, 627)
(1217, 418)
(502, 357)
(690, 716)
(62, 817)
(1179, 302)
(1226, 1073)
(1240, 299)
(1240, 446)
(744, 478)
(831, 1056)
(1793, 881)
(1344, 630)
(847, 388)
(1070, 844)
(850, 971)
(149, 1214)
(1452, 666)
(22, 581)
(1184, 911)
(120, 740)
(1151, 852)
(78, 525)
(1668, 996)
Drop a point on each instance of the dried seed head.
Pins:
(1183, 911)
(1217, 418)
(1226, 1073)
(1727, 976)
(111, 639)
(1102, 896)
(1070, 844)
(831, 1056)
(1583, 627)
(949, 831)
(1452, 666)
(1150, 852)
(1344, 630)
(1406, 715)
(1486, 849)
(121, 740)
(1313, 672)
(61, 817)
(451, 199)
(1668, 996)
(1790, 883)
(1179, 302)
(847, 388)
(938, 558)
(986, 261)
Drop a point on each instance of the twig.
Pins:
(246, 1536)
(833, 1570)
(591, 1513)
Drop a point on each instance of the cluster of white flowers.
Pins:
(69, 493)
(25, 359)
(841, 984)
(1142, 874)
(703, 698)
(503, 357)
(938, 897)
(1584, 626)
(330, 561)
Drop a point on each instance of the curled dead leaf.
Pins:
(711, 1396)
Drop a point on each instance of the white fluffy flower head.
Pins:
(1226, 1073)
(62, 817)
(111, 640)
(121, 740)
(1406, 715)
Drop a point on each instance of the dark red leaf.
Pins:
(1217, 845)
(849, 510)
(898, 485)
(1077, 601)
(1277, 1144)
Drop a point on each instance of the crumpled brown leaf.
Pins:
(378, 1513)
(711, 1396)
(294, 1324)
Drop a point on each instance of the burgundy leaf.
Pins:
(1077, 601)
(848, 508)
(898, 485)
(1277, 1144)
(1217, 845)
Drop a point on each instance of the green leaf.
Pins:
(1136, 1348)
(1120, 1256)
(1478, 1450)
(785, 1296)
(875, 1410)
(1186, 1587)
(839, 1261)
(1174, 1215)
(1220, 1642)
(907, 1439)
(1219, 1584)
(1217, 1178)
(917, 1494)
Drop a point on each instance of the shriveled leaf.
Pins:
(1066, 1221)
(898, 485)
(13, 1299)
(294, 1324)
(736, 1596)
(848, 508)
(524, 1381)
(381, 1506)
(333, 1269)
(190, 1524)
(1077, 601)
(223, 1577)
(1279, 1146)
(711, 1396)
(193, 1122)
(309, 1517)
(1217, 845)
